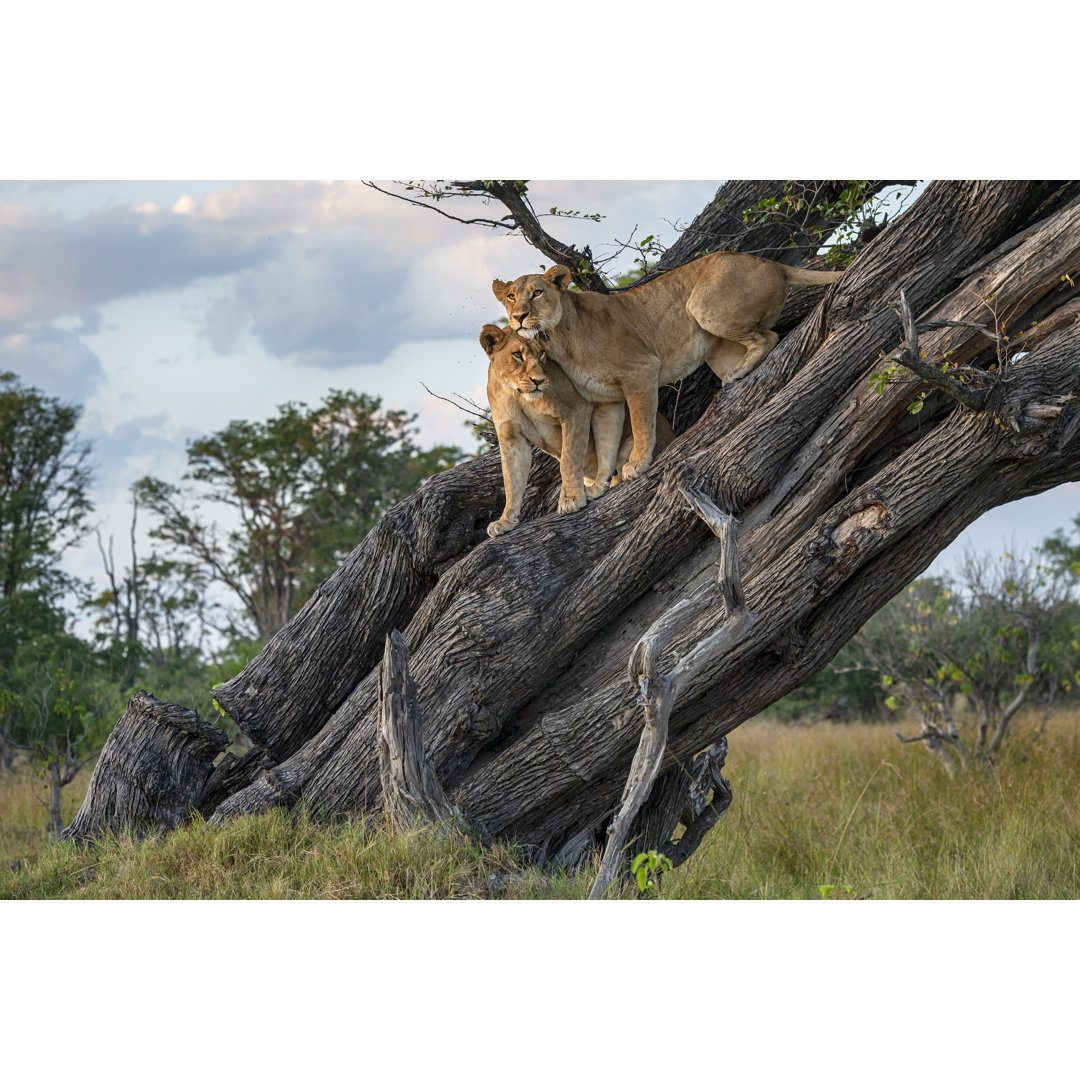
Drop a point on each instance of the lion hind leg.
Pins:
(724, 357)
(759, 343)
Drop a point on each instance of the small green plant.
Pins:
(826, 891)
(647, 868)
(216, 704)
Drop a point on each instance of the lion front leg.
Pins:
(642, 406)
(516, 459)
(575, 442)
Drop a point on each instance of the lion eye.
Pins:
(517, 357)
(543, 355)
(539, 292)
(509, 296)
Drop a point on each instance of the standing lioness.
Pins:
(533, 403)
(718, 310)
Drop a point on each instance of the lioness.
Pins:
(533, 403)
(717, 310)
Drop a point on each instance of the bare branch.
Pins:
(490, 223)
(908, 355)
(522, 217)
(659, 691)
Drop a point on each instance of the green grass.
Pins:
(846, 808)
(278, 856)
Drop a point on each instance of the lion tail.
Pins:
(796, 275)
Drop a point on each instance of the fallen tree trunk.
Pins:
(519, 646)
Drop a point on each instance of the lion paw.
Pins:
(594, 491)
(630, 471)
(497, 528)
(570, 504)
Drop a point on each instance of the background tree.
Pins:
(156, 624)
(60, 699)
(1063, 552)
(44, 476)
(998, 634)
(301, 489)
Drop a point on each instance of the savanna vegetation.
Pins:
(822, 810)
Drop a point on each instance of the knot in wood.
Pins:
(837, 546)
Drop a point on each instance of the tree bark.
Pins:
(410, 789)
(7, 753)
(519, 646)
(151, 773)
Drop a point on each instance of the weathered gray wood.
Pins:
(410, 789)
(659, 691)
(152, 770)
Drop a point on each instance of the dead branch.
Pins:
(658, 692)
(908, 355)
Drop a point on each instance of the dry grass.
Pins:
(279, 856)
(23, 813)
(851, 809)
(847, 809)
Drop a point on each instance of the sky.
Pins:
(167, 309)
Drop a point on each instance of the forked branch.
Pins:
(658, 691)
(908, 355)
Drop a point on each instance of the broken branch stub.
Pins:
(409, 785)
(659, 691)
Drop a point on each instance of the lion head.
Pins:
(534, 301)
(516, 362)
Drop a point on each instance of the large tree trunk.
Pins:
(519, 646)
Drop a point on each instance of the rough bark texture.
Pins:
(519, 646)
(384, 580)
(410, 789)
(152, 771)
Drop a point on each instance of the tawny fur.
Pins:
(718, 310)
(533, 403)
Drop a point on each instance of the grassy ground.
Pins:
(24, 813)
(851, 811)
(845, 811)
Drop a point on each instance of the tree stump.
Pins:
(151, 773)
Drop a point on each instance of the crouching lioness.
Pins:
(533, 403)
(718, 310)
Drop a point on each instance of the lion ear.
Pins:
(491, 337)
(500, 289)
(560, 277)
